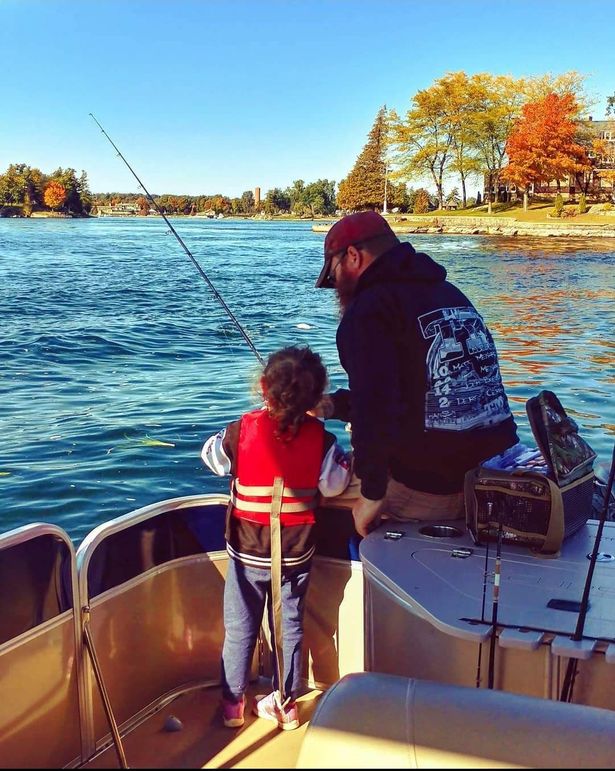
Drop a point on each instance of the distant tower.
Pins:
(257, 197)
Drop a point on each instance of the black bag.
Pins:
(537, 507)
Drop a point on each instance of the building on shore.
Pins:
(115, 210)
(257, 197)
(597, 184)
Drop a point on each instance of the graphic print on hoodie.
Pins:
(464, 386)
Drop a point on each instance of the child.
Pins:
(278, 442)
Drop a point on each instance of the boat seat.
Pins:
(373, 720)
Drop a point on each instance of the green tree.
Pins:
(320, 197)
(277, 200)
(12, 185)
(453, 199)
(163, 203)
(297, 197)
(247, 202)
(398, 196)
(22, 185)
(85, 195)
(421, 201)
(363, 188)
(460, 100)
(411, 194)
(499, 99)
(559, 205)
(423, 140)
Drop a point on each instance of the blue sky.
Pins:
(205, 97)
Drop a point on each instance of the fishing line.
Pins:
(204, 276)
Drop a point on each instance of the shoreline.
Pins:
(490, 226)
(426, 224)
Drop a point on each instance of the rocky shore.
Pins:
(491, 226)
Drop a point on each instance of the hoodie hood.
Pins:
(402, 264)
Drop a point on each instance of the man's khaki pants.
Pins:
(402, 503)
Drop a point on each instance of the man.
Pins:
(425, 401)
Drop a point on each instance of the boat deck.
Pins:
(204, 742)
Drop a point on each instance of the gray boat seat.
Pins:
(372, 720)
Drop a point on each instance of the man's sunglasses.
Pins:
(332, 271)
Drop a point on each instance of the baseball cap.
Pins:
(350, 230)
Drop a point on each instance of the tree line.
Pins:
(24, 189)
(301, 199)
(509, 131)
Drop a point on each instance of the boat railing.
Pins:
(41, 691)
(97, 640)
(151, 589)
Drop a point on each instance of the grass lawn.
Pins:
(537, 212)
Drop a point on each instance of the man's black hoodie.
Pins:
(426, 401)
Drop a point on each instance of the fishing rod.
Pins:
(205, 277)
(482, 610)
(496, 599)
(571, 669)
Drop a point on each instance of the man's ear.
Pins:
(354, 257)
(358, 260)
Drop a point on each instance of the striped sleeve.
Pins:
(335, 471)
(214, 456)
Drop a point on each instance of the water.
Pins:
(116, 362)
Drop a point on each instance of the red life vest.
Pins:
(262, 456)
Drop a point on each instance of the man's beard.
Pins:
(344, 292)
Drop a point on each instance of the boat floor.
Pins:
(204, 742)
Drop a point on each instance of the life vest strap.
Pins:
(256, 491)
(265, 507)
(277, 499)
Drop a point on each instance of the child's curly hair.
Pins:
(294, 380)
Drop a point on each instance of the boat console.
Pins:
(429, 594)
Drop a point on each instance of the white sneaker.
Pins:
(266, 707)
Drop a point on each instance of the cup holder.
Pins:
(440, 531)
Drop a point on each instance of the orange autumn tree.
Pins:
(54, 195)
(543, 143)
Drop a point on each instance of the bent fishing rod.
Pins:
(204, 275)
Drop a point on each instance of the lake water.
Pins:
(116, 361)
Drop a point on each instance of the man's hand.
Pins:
(366, 514)
(324, 408)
